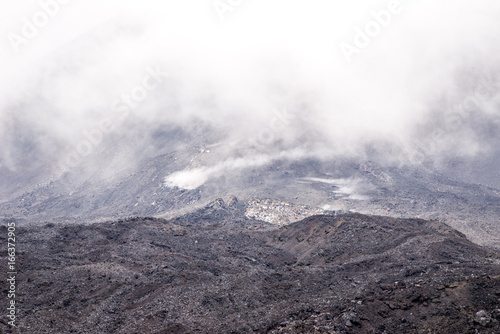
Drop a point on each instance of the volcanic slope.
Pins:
(216, 271)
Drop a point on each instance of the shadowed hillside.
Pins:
(348, 273)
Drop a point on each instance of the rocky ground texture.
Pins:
(216, 271)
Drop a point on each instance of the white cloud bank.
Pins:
(425, 84)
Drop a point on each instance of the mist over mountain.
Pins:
(290, 129)
(269, 81)
(116, 109)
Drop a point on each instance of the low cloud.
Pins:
(424, 89)
(193, 178)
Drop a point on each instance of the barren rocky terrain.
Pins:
(228, 166)
(214, 270)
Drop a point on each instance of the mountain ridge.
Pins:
(348, 273)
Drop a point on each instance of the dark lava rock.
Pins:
(203, 274)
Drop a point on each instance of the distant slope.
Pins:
(364, 187)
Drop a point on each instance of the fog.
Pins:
(407, 82)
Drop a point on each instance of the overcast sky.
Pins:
(420, 76)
